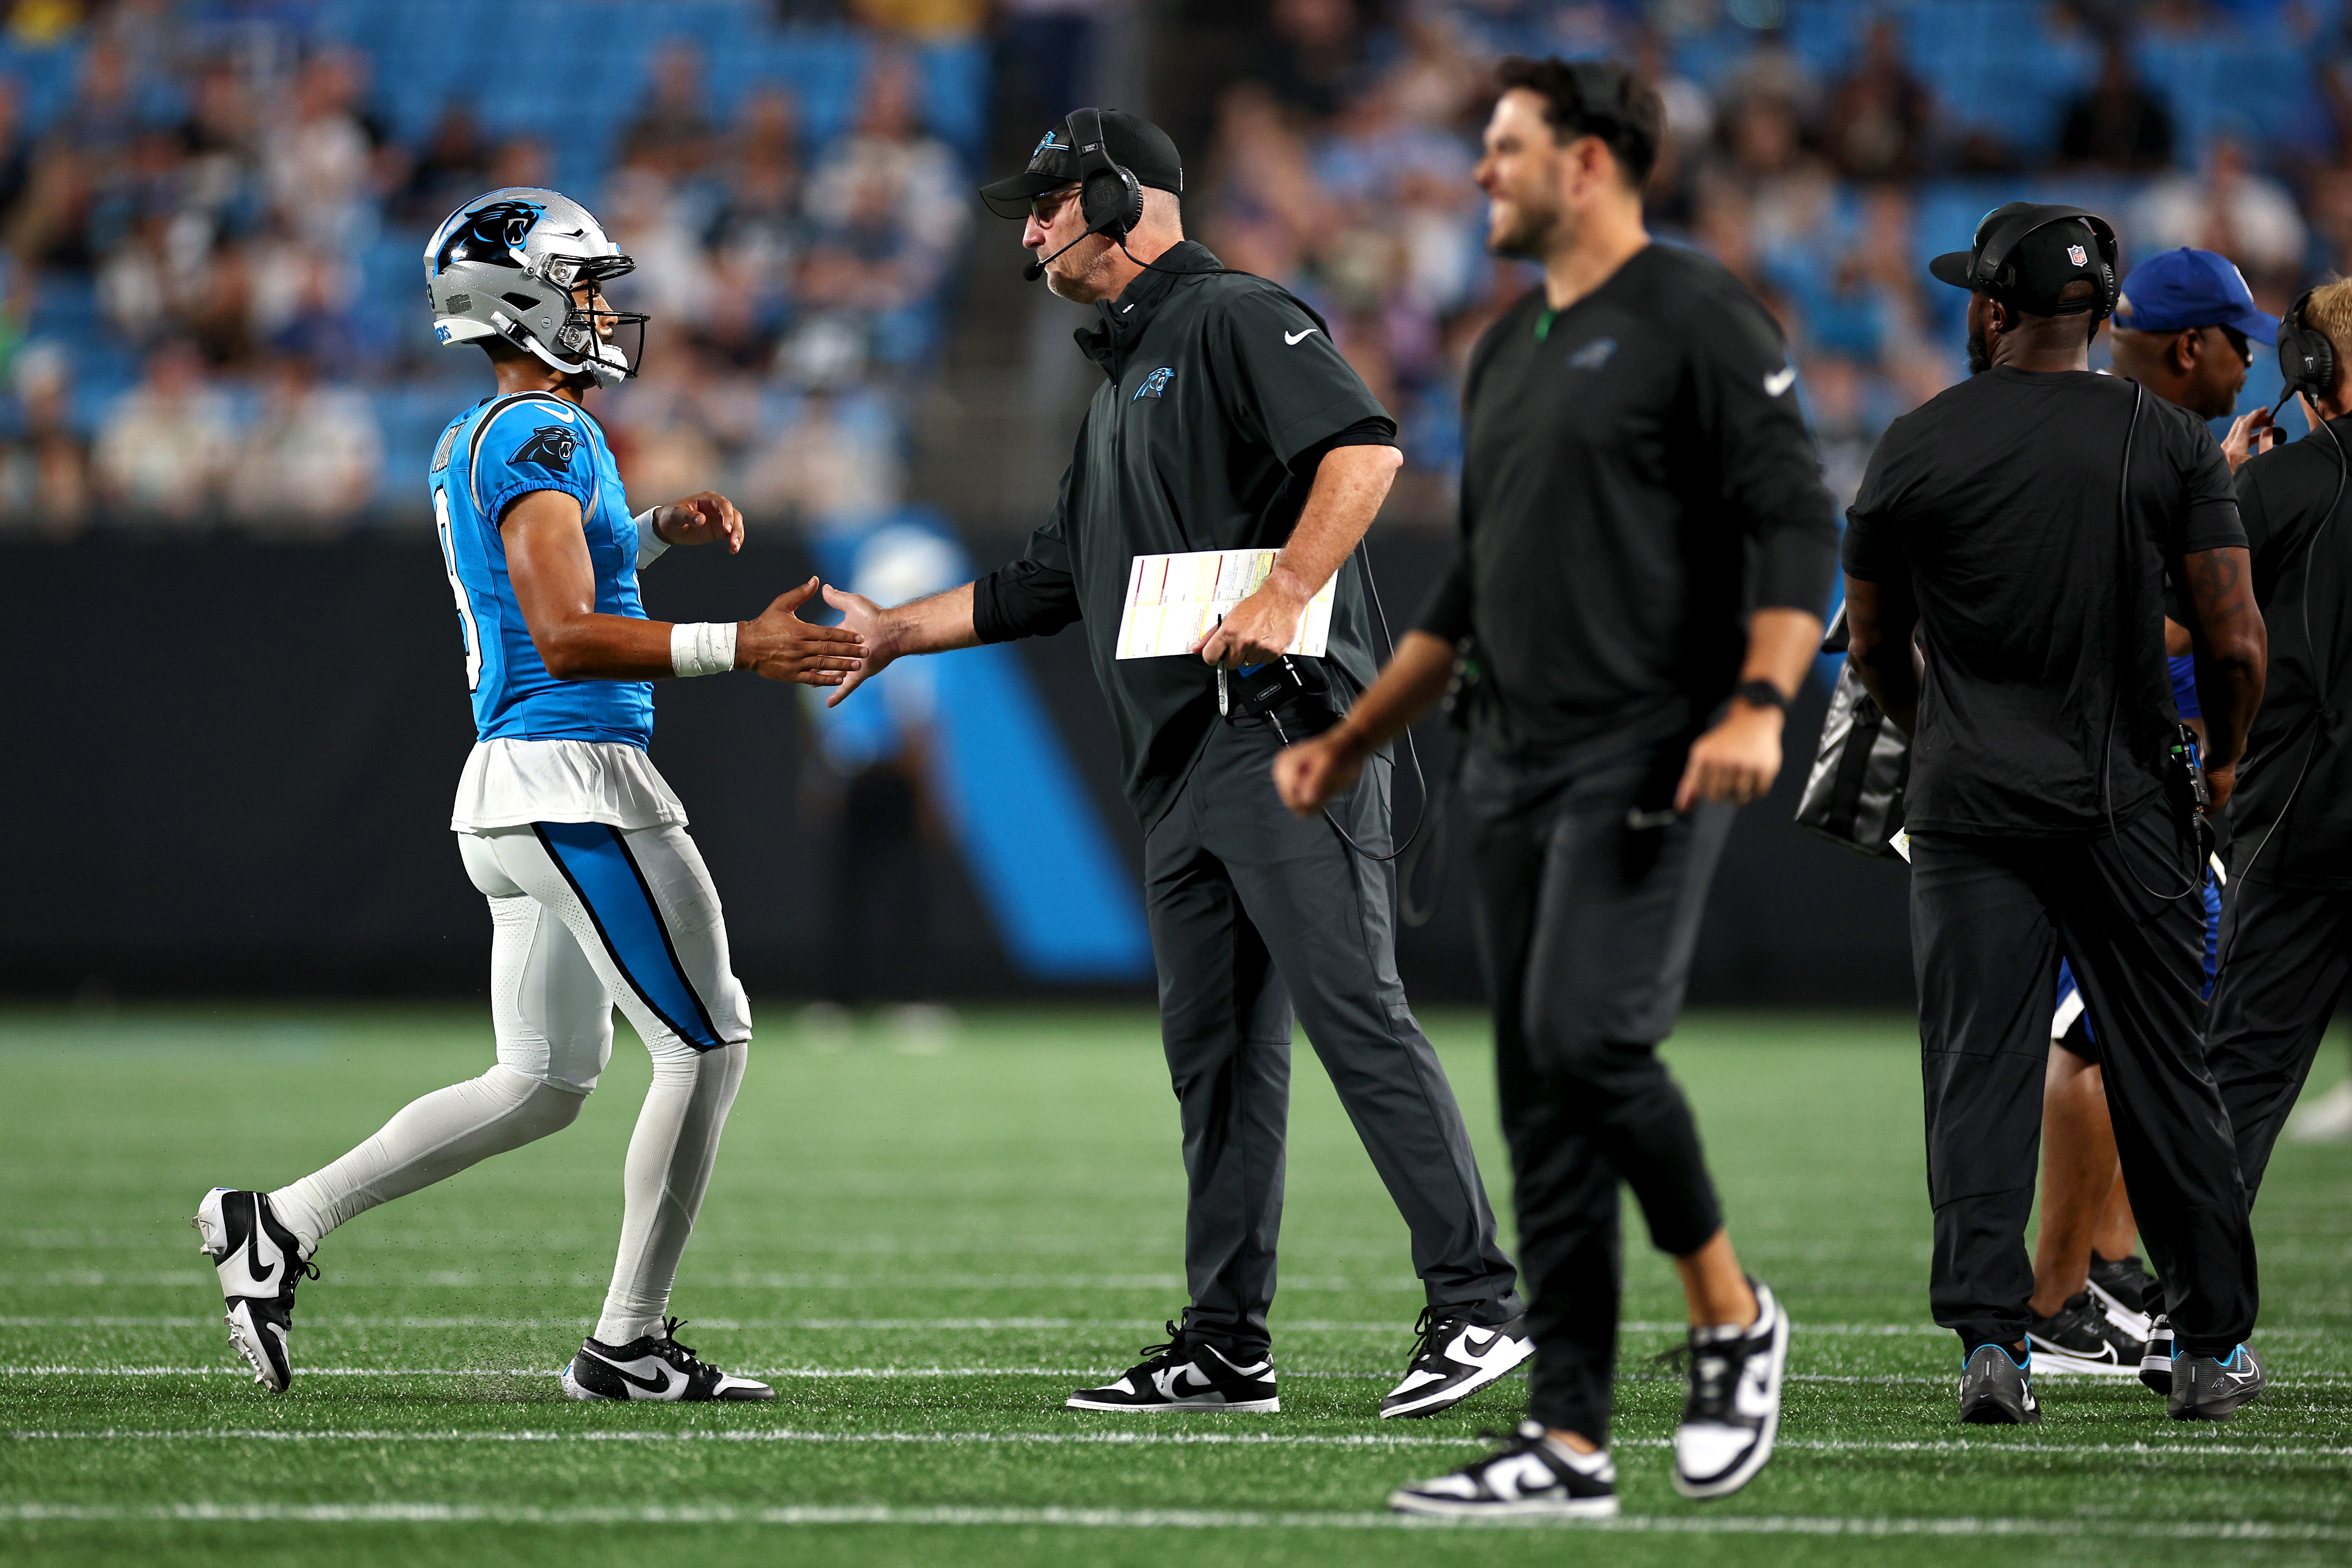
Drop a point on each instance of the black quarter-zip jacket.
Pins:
(1636, 479)
(1216, 386)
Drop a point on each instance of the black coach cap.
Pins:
(1132, 141)
(2038, 267)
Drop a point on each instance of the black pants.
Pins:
(2290, 950)
(1990, 918)
(1253, 910)
(1586, 923)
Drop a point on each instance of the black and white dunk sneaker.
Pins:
(259, 1261)
(1997, 1389)
(653, 1367)
(1733, 1413)
(1454, 1358)
(2127, 1291)
(2079, 1338)
(2206, 1388)
(2156, 1363)
(1530, 1478)
(1186, 1374)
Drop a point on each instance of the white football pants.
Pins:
(583, 918)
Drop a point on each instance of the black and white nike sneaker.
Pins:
(2127, 1292)
(2078, 1338)
(1186, 1374)
(2155, 1361)
(653, 1367)
(1529, 1479)
(1733, 1413)
(1454, 1358)
(2205, 1388)
(259, 1262)
(1997, 1389)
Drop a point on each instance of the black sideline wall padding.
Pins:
(233, 769)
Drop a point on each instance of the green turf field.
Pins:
(925, 1237)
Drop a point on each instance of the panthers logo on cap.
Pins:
(551, 447)
(493, 233)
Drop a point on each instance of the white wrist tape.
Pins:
(701, 647)
(650, 544)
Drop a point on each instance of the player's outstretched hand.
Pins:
(782, 647)
(705, 518)
(1310, 775)
(872, 624)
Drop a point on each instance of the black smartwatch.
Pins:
(1761, 694)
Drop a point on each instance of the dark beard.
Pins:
(1979, 355)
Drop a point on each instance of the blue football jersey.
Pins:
(499, 450)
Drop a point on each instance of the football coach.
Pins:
(1645, 550)
(1227, 420)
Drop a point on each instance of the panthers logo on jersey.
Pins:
(551, 447)
(494, 234)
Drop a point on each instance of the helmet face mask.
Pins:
(514, 264)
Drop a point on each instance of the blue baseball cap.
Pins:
(2186, 288)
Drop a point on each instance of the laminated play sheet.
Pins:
(1172, 601)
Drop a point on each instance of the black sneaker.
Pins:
(653, 1367)
(1734, 1409)
(1528, 1478)
(1186, 1374)
(1454, 1358)
(1997, 1389)
(259, 1262)
(2156, 1363)
(2127, 1292)
(2078, 1338)
(2207, 1389)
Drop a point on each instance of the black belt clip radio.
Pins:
(2184, 779)
(1291, 693)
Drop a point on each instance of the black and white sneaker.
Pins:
(2078, 1338)
(2127, 1291)
(1531, 1477)
(2155, 1361)
(1733, 1413)
(653, 1367)
(1997, 1389)
(1454, 1358)
(1186, 1374)
(2205, 1388)
(259, 1262)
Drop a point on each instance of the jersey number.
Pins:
(465, 626)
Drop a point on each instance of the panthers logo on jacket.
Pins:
(551, 447)
(495, 235)
(1155, 384)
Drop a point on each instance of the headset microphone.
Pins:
(1036, 268)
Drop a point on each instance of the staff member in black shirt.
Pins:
(1645, 550)
(2024, 521)
(1228, 420)
(2286, 937)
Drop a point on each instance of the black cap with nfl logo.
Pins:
(1132, 141)
(2039, 265)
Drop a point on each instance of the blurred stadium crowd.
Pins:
(210, 214)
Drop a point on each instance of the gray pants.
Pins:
(1253, 910)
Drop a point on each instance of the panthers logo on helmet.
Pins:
(551, 447)
(493, 233)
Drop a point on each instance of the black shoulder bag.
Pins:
(1853, 796)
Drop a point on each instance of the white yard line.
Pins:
(1136, 1519)
(1126, 1439)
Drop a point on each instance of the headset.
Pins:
(2307, 365)
(1110, 198)
(1996, 274)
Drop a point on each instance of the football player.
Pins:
(597, 896)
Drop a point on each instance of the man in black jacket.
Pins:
(1229, 420)
(2286, 937)
(2023, 521)
(1647, 547)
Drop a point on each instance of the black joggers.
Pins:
(1989, 917)
(1588, 904)
(2288, 952)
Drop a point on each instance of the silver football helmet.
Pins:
(505, 265)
